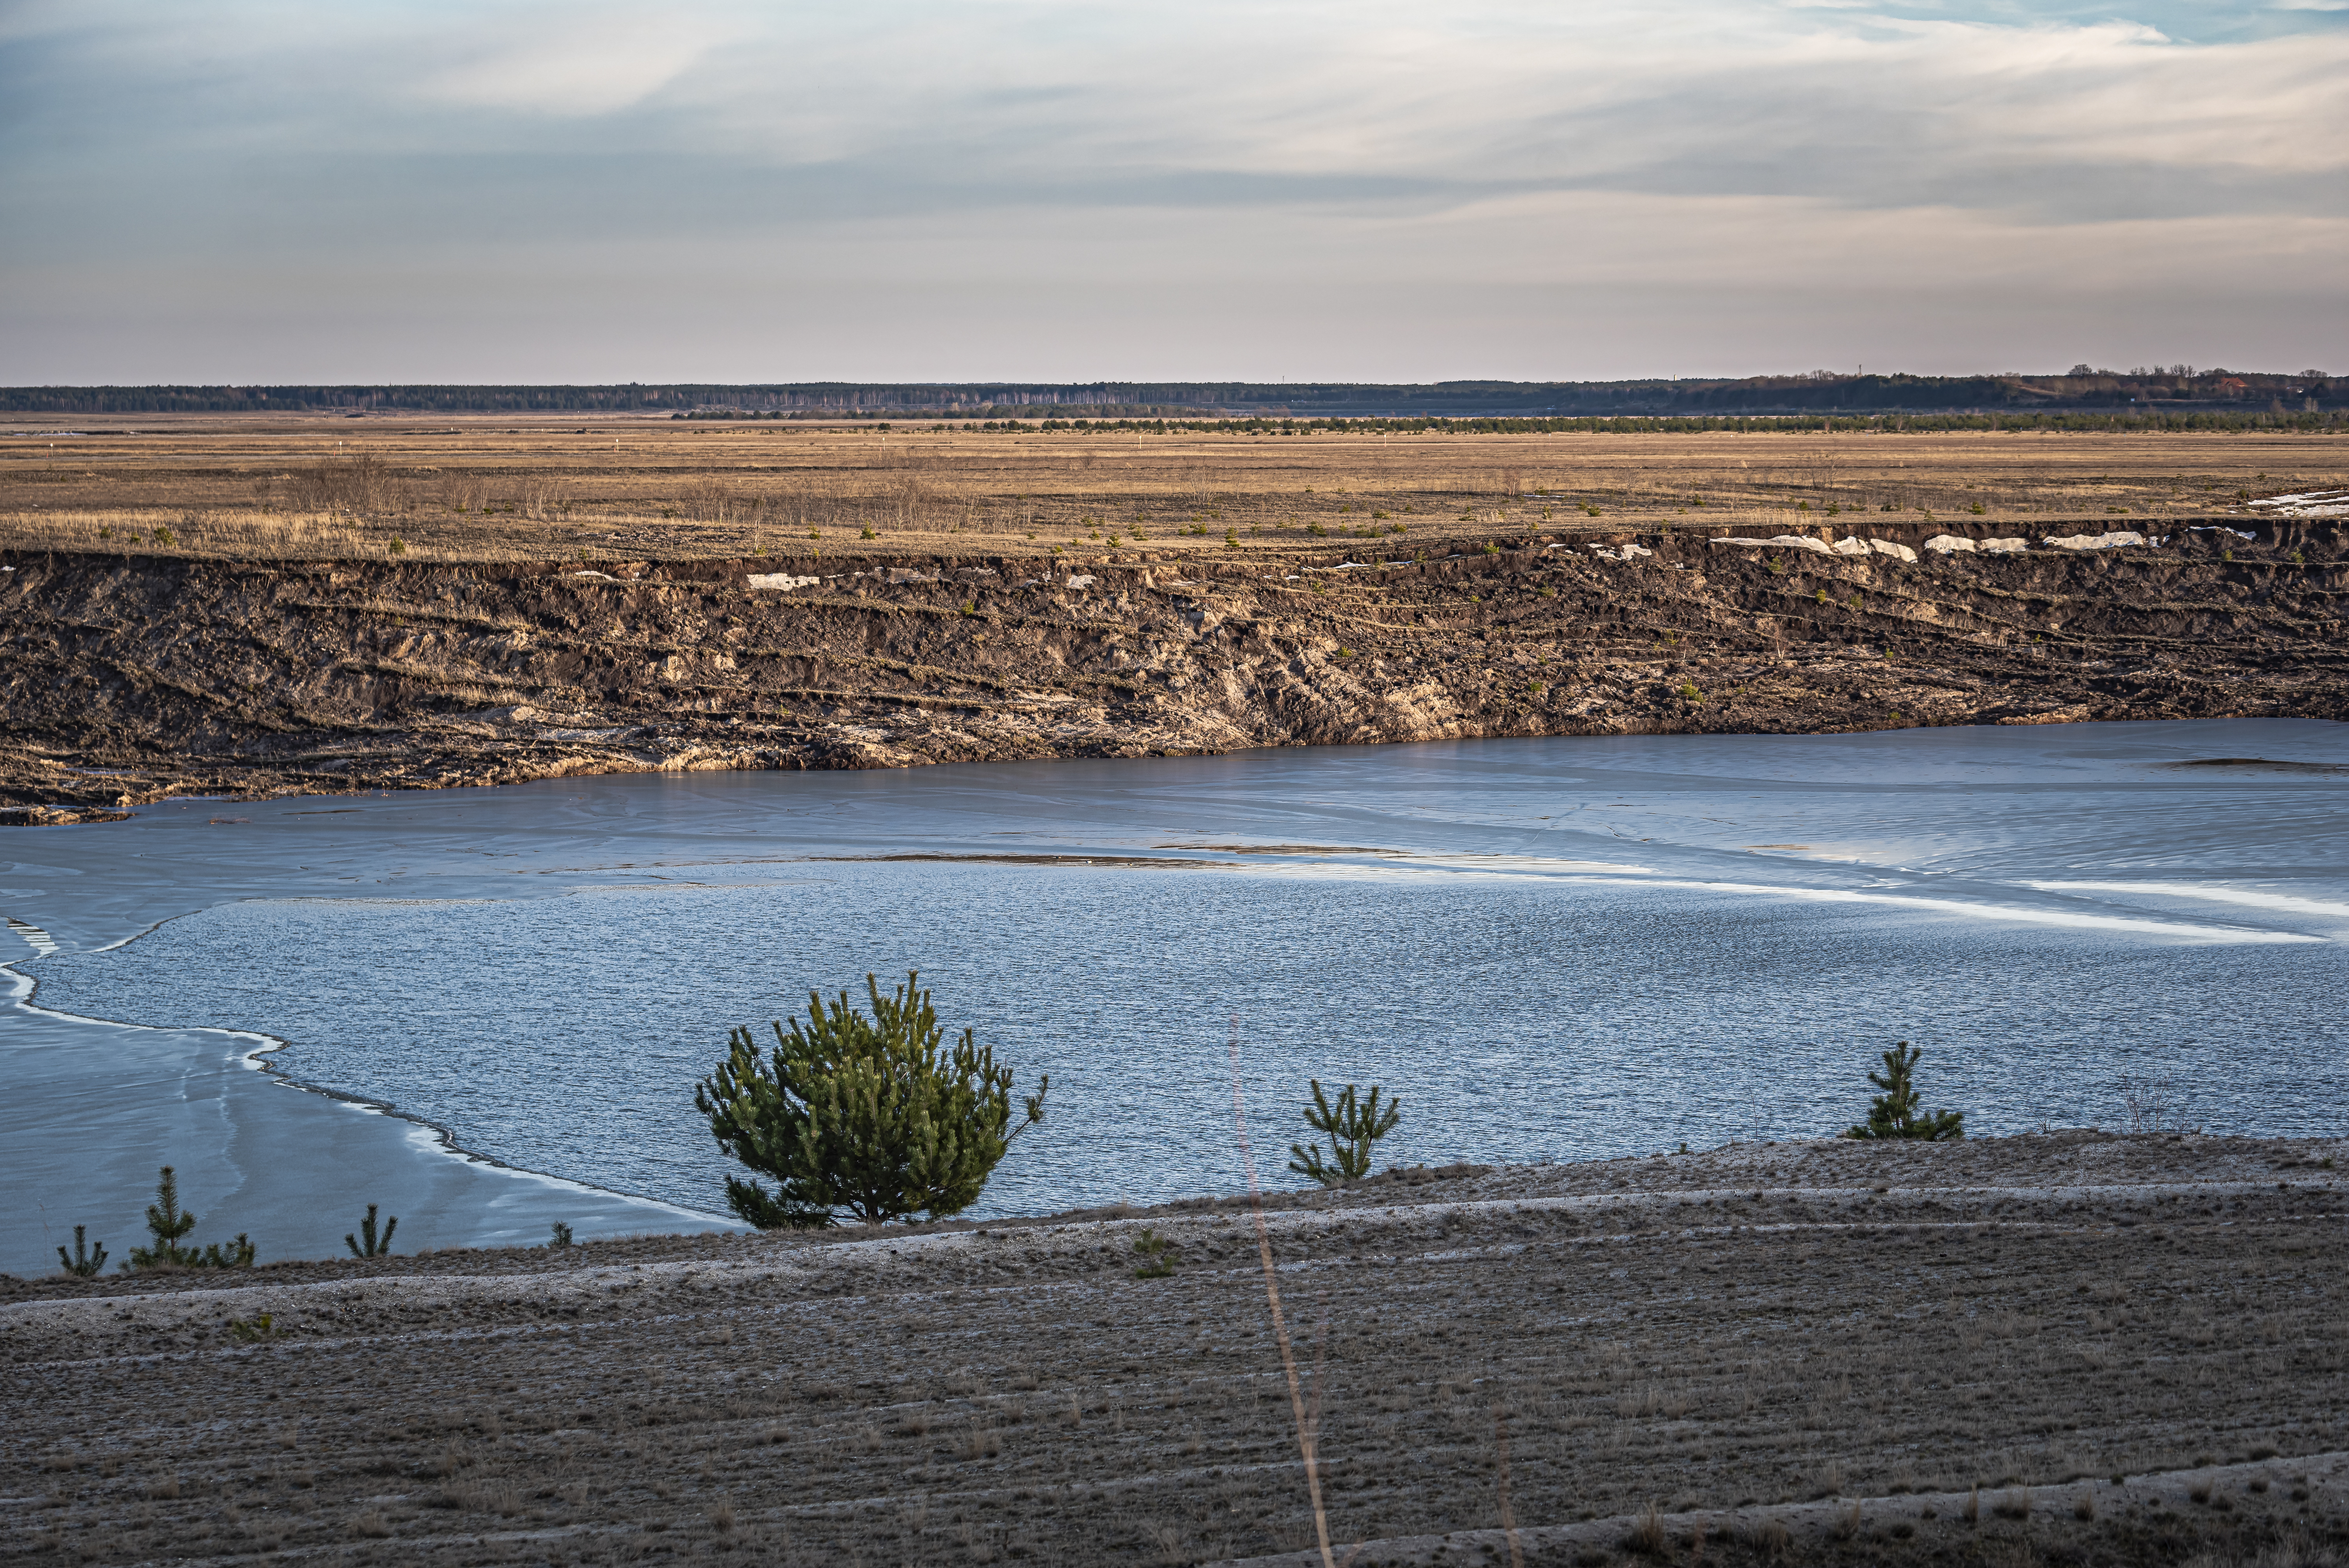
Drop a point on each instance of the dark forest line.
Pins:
(2175, 389)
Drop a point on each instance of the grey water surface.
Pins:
(1547, 949)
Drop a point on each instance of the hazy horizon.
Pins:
(255, 191)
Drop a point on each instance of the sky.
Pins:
(493, 191)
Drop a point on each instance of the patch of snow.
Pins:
(782, 580)
(1784, 541)
(2094, 540)
(1084, 582)
(2309, 503)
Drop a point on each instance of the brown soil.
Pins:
(132, 677)
(1747, 1340)
(215, 607)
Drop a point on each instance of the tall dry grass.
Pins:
(489, 490)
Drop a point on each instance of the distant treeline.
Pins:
(2168, 391)
(983, 411)
(2336, 422)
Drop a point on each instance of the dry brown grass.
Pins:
(504, 489)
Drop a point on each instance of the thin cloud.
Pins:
(473, 153)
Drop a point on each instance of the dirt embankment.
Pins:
(2067, 1348)
(128, 677)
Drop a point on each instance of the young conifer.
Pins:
(83, 1263)
(167, 1223)
(1895, 1114)
(1351, 1127)
(366, 1243)
(875, 1116)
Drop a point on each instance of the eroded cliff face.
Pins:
(129, 678)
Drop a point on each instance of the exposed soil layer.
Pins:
(130, 677)
(1931, 1353)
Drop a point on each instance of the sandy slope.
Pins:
(1760, 1331)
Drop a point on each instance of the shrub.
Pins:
(167, 1223)
(375, 1246)
(1157, 1255)
(1895, 1113)
(1352, 1128)
(871, 1115)
(85, 1264)
(558, 1236)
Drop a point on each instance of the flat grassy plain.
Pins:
(500, 487)
(2074, 1347)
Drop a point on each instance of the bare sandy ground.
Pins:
(1752, 1342)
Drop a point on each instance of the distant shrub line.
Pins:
(2214, 421)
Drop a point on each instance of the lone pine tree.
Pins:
(84, 1262)
(873, 1115)
(1895, 1114)
(1352, 1128)
(364, 1242)
(167, 1223)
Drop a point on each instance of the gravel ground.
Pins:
(1720, 1357)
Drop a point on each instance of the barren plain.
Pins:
(317, 604)
(2072, 1348)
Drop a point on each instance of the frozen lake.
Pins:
(1548, 949)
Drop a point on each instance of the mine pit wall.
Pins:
(181, 676)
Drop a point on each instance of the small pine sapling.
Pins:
(560, 1238)
(1895, 1114)
(366, 1243)
(1351, 1125)
(167, 1223)
(1157, 1255)
(84, 1264)
(235, 1255)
